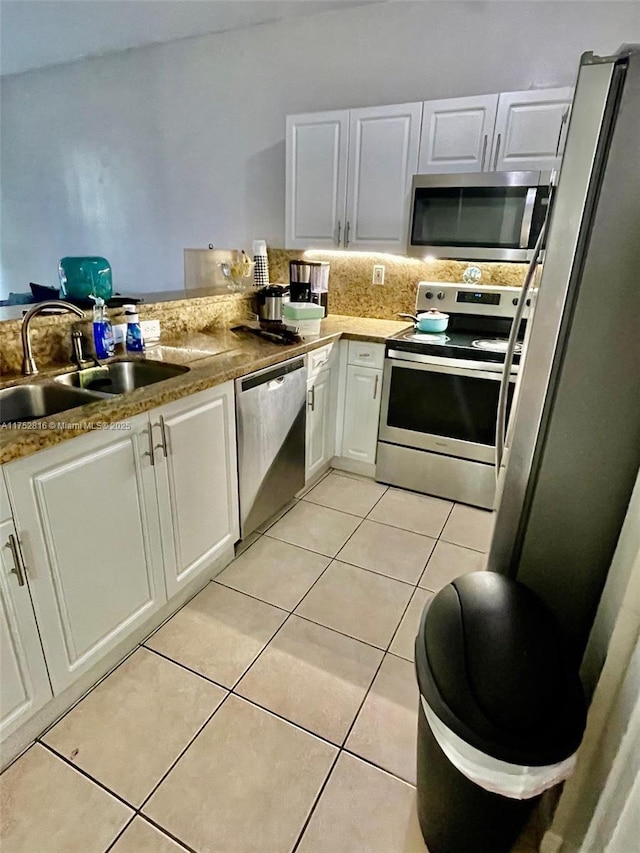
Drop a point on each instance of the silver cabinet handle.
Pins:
(346, 234)
(149, 452)
(163, 443)
(339, 232)
(484, 152)
(375, 387)
(18, 566)
(495, 158)
(311, 398)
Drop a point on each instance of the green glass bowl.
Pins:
(81, 278)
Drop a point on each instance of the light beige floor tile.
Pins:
(397, 553)
(129, 730)
(141, 837)
(48, 807)
(419, 513)
(317, 528)
(385, 731)
(363, 810)
(469, 527)
(344, 493)
(449, 562)
(275, 572)
(219, 633)
(403, 642)
(262, 528)
(356, 602)
(312, 676)
(246, 784)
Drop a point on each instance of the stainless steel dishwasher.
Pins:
(271, 419)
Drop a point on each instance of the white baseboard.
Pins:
(352, 466)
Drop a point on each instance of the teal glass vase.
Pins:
(81, 278)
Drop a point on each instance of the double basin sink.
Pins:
(43, 398)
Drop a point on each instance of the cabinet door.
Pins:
(316, 179)
(361, 413)
(456, 134)
(196, 473)
(24, 685)
(529, 131)
(320, 423)
(383, 157)
(86, 514)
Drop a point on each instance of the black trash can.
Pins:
(502, 712)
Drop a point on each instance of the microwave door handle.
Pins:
(527, 217)
(501, 418)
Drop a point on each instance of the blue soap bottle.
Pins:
(134, 341)
(102, 330)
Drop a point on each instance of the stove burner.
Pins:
(495, 345)
(426, 337)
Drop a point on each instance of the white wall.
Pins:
(138, 155)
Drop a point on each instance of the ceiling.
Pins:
(39, 33)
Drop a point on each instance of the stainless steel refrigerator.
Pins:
(572, 446)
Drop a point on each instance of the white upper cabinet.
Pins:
(530, 129)
(383, 157)
(196, 473)
(316, 179)
(457, 134)
(87, 519)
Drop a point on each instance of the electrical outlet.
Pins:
(119, 333)
(378, 274)
(150, 330)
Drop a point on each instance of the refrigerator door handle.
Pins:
(501, 419)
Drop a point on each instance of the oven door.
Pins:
(437, 404)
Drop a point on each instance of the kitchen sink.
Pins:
(31, 402)
(119, 377)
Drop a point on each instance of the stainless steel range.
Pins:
(440, 394)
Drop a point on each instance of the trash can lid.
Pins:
(491, 663)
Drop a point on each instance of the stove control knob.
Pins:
(514, 301)
(441, 295)
(528, 303)
(429, 294)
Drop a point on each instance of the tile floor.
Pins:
(276, 711)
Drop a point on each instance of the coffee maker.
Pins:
(309, 282)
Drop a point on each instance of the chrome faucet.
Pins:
(28, 364)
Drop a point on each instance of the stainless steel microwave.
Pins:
(485, 216)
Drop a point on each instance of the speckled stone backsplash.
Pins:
(51, 336)
(351, 291)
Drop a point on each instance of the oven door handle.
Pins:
(457, 366)
(445, 366)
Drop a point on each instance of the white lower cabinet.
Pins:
(113, 523)
(321, 411)
(25, 684)
(196, 473)
(86, 514)
(361, 413)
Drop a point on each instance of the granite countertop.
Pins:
(213, 358)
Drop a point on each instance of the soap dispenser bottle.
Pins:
(102, 330)
(134, 340)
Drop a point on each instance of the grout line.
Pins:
(180, 754)
(377, 766)
(87, 775)
(122, 832)
(187, 668)
(166, 832)
(315, 803)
